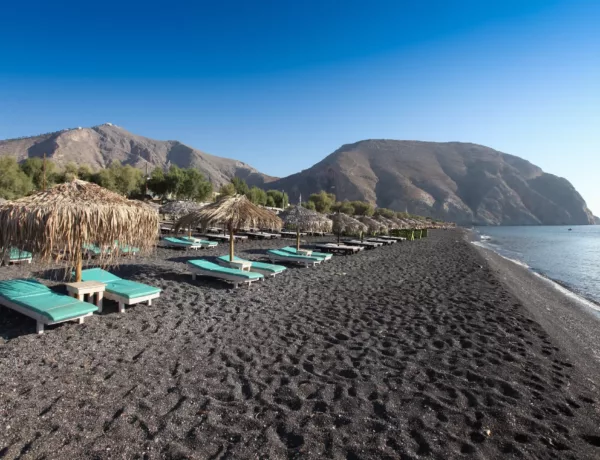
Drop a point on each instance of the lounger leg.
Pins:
(121, 307)
(39, 327)
(150, 302)
(194, 276)
(81, 320)
(99, 301)
(80, 297)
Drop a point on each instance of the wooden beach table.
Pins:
(90, 288)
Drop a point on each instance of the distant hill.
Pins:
(460, 182)
(100, 145)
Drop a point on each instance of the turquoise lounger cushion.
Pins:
(209, 266)
(261, 265)
(114, 284)
(38, 298)
(12, 289)
(131, 289)
(179, 241)
(293, 256)
(18, 254)
(320, 255)
(97, 274)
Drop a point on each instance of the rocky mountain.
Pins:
(461, 182)
(100, 145)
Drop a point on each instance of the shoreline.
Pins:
(569, 318)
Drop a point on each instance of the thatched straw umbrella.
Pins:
(305, 220)
(345, 223)
(373, 225)
(235, 212)
(67, 216)
(180, 208)
(385, 221)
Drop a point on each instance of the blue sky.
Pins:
(281, 84)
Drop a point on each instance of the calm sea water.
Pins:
(571, 258)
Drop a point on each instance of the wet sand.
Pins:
(416, 350)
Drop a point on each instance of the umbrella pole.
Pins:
(78, 268)
(297, 239)
(231, 240)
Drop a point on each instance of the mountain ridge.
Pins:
(457, 181)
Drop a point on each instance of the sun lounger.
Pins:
(339, 248)
(125, 249)
(364, 244)
(283, 256)
(203, 243)
(394, 238)
(124, 292)
(94, 251)
(33, 299)
(16, 256)
(320, 255)
(181, 243)
(231, 275)
(381, 240)
(256, 267)
(291, 234)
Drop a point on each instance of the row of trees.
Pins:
(272, 198)
(17, 180)
(326, 203)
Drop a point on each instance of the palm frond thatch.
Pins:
(385, 221)
(373, 226)
(178, 209)
(305, 220)
(343, 223)
(235, 212)
(66, 217)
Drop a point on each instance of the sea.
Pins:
(569, 256)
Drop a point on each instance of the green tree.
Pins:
(105, 178)
(174, 179)
(14, 183)
(157, 183)
(227, 190)
(194, 186)
(69, 172)
(241, 188)
(323, 201)
(84, 172)
(34, 169)
(309, 205)
(270, 201)
(385, 212)
(344, 207)
(362, 208)
(402, 215)
(127, 179)
(257, 196)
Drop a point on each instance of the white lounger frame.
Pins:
(7, 260)
(125, 301)
(229, 278)
(194, 246)
(292, 258)
(252, 269)
(41, 320)
(372, 244)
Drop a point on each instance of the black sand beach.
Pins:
(417, 350)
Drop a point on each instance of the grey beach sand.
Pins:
(423, 349)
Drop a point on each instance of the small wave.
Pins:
(563, 290)
(485, 237)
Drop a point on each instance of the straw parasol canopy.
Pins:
(373, 225)
(385, 221)
(303, 219)
(68, 216)
(344, 223)
(235, 212)
(180, 208)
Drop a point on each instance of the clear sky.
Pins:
(281, 84)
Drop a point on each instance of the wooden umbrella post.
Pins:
(297, 238)
(78, 268)
(231, 241)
